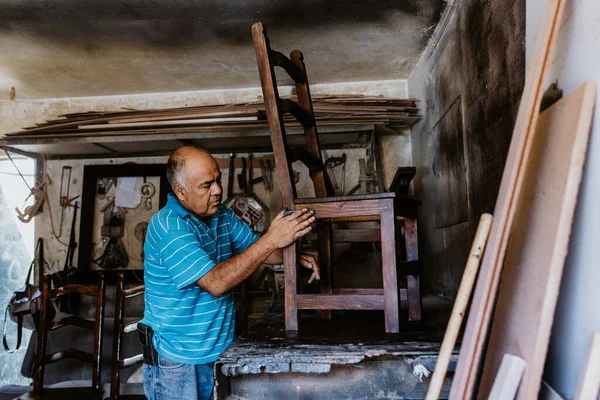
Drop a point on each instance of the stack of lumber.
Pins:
(329, 110)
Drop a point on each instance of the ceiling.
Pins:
(72, 48)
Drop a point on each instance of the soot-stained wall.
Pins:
(470, 79)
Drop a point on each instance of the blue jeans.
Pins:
(172, 380)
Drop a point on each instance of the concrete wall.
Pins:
(576, 59)
(470, 80)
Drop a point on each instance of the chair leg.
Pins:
(291, 290)
(388, 266)
(412, 253)
(324, 248)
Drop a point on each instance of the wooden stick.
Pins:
(460, 305)
(590, 383)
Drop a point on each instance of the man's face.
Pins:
(204, 181)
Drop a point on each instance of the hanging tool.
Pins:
(147, 190)
(330, 164)
(65, 200)
(230, 174)
(68, 302)
(266, 169)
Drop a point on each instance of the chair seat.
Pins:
(358, 197)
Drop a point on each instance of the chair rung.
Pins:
(292, 69)
(312, 162)
(72, 320)
(134, 291)
(304, 117)
(340, 302)
(131, 361)
(362, 292)
(355, 235)
(130, 327)
(70, 353)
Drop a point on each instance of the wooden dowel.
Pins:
(460, 306)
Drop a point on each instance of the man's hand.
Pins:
(286, 230)
(309, 261)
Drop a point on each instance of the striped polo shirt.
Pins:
(191, 326)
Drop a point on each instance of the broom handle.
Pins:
(460, 306)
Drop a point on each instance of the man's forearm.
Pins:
(228, 274)
(276, 257)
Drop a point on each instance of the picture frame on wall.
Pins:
(117, 202)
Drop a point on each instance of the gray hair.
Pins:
(176, 171)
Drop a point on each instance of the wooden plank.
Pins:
(508, 378)
(356, 235)
(339, 302)
(460, 307)
(476, 331)
(537, 250)
(291, 289)
(403, 296)
(388, 266)
(338, 209)
(590, 382)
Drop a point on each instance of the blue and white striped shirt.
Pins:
(191, 326)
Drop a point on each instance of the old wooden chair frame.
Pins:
(383, 207)
(95, 326)
(120, 328)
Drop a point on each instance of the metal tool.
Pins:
(65, 200)
(147, 191)
(330, 164)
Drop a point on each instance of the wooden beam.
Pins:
(339, 302)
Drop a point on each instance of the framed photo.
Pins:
(117, 202)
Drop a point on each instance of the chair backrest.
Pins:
(275, 107)
(94, 326)
(119, 329)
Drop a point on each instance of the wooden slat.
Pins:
(388, 266)
(70, 353)
(130, 327)
(363, 292)
(301, 115)
(465, 377)
(356, 197)
(339, 302)
(74, 288)
(314, 164)
(71, 320)
(131, 361)
(508, 378)
(356, 235)
(524, 312)
(292, 70)
(343, 209)
(134, 291)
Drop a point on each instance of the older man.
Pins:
(196, 251)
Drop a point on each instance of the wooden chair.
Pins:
(121, 328)
(42, 359)
(382, 207)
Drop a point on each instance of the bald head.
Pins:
(196, 180)
(177, 161)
